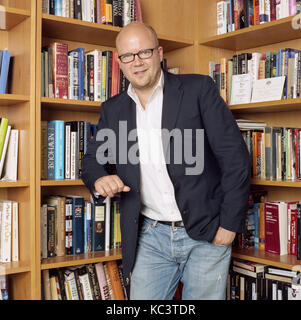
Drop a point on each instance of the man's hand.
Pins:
(224, 237)
(109, 186)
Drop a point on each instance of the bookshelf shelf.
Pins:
(10, 99)
(14, 184)
(12, 17)
(75, 260)
(14, 267)
(70, 105)
(51, 183)
(273, 183)
(268, 106)
(260, 256)
(255, 36)
(97, 34)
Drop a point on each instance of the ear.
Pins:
(160, 51)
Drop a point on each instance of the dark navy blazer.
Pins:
(216, 197)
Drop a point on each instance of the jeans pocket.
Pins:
(145, 228)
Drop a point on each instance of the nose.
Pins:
(137, 61)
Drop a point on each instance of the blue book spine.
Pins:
(87, 134)
(50, 150)
(59, 155)
(78, 225)
(81, 71)
(58, 10)
(4, 70)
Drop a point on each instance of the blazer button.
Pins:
(185, 211)
(127, 281)
(135, 220)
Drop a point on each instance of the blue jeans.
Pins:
(167, 255)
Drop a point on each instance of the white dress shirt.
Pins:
(156, 188)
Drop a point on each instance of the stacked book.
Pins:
(78, 74)
(255, 281)
(237, 14)
(284, 62)
(72, 225)
(112, 12)
(99, 281)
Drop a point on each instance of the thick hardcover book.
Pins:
(6, 55)
(50, 150)
(78, 9)
(85, 283)
(77, 224)
(60, 70)
(5, 230)
(59, 148)
(117, 12)
(81, 71)
(106, 11)
(94, 282)
(103, 285)
(51, 236)
(98, 227)
(299, 231)
(115, 280)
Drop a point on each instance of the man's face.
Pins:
(142, 73)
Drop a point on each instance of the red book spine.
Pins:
(235, 9)
(272, 236)
(293, 232)
(60, 70)
(273, 10)
(296, 152)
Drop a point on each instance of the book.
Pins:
(115, 280)
(98, 227)
(6, 57)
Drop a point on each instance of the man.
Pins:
(178, 218)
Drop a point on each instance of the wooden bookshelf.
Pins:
(51, 183)
(10, 17)
(97, 34)
(265, 37)
(256, 36)
(260, 256)
(76, 260)
(18, 35)
(176, 36)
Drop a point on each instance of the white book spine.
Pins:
(15, 231)
(73, 154)
(295, 76)
(220, 17)
(11, 160)
(126, 12)
(70, 280)
(267, 10)
(107, 223)
(70, 77)
(87, 292)
(67, 151)
(278, 10)
(92, 13)
(6, 232)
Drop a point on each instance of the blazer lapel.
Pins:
(128, 114)
(172, 98)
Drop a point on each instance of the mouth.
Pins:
(139, 73)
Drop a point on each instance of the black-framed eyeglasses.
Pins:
(142, 54)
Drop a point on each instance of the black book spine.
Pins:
(78, 9)
(51, 6)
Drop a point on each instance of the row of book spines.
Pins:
(71, 225)
(100, 281)
(112, 12)
(243, 287)
(9, 231)
(275, 153)
(63, 145)
(234, 14)
(80, 75)
(286, 62)
(275, 227)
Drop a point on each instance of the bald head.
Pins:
(132, 31)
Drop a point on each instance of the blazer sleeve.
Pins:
(91, 168)
(231, 153)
